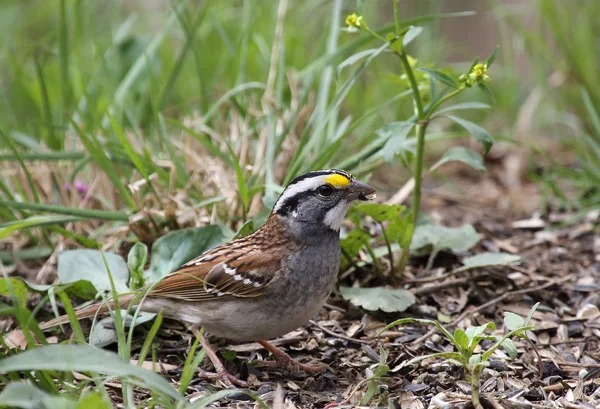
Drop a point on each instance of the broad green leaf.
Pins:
(513, 321)
(395, 136)
(461, 338)
(26, 396)
(475, 360)
(379, 298)
(399, 230)
(92, 401)
(440, 237)
(84, 358)
(510, 348)
(381, 370)
(354, 241)
(172, 250)
(412, 33)
(441, 77)
(482, 136)
(136, 261)
(18, 288)
(104, 331)
(381, 212)
(473, 332)
(491, 259)
(461, 154)
(76, 265)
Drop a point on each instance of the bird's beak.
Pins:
(360, 191)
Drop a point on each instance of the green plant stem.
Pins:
(396, 17)
(475, 388)
(445, 98)
(375, 260)
(389, 248)
(413, 85)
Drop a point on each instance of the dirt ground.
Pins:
(560, 269)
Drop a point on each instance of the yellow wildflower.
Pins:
(354, 22)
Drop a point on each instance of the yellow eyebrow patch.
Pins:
(337, 180)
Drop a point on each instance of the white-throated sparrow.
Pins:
(263, 285)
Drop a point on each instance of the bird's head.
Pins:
(321, 198)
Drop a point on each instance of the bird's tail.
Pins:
(91, 311)
(16, 338)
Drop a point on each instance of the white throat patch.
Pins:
(336, 215)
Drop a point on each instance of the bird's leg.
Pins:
(220, 372)
(286, 361)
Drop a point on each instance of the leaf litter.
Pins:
(463, 289)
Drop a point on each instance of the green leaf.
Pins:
(461, 338)
(474, 360)
(172, 250)
(92, 401)
(26, 396)
(513, 321)
(463, 106)
(510, 348)
(371, 389)
(76, 265)
(400, 229)
(353, 59)
(84, 358)
(491, 259)
(412, 33)
(492, 58)
(354, 241)
(381, 370)
(13, 285)
(381, 212)
(246, 229)
(481, 135)
(487, 90)
(440, 237)
(104, 331)
(454, 357)
(531, 312)
(395, 136)
(379, 298)
(35, 221)
(441, 77)
(136, 261)
(461, 154)
(473, 332)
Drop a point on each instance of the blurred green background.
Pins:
(167, 104)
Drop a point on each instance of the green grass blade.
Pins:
(73, 211)
(99, 157)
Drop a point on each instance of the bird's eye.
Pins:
(325, 190)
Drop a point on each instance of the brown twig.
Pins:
(341, 336)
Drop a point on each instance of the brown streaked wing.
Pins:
(240, 275)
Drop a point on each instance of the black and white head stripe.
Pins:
(305, 185)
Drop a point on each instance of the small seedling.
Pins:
(466, 341)
(379, 373)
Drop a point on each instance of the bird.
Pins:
(263, 285)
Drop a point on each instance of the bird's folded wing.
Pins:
(239, 275)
